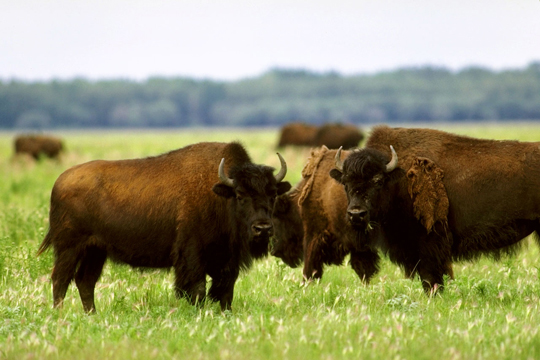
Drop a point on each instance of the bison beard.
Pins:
(449, 198)
(175, 210)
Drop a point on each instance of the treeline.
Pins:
(275, 98)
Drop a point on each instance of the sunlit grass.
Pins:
(490, 311)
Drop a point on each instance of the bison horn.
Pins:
(221, 173)
(393, 162)
(338, 162)
(283, 171)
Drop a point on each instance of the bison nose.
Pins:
(356, 216)
(262, 229)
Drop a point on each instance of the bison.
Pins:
(38, 145)
(447, 198)
(338, 135)
(311, 225)
(297, 134)
(332, 135)
(204, 209)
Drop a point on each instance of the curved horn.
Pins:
(393, 162)
(283, 171)
(337, 159)
(221, 173)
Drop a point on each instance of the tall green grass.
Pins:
(490, 310)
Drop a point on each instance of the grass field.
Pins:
(490, 311)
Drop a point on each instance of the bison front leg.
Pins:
(435, 262)
(313, 264)
(222, 288)
(365, 264)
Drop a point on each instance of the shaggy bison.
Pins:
(204, 209)
(311, 225)
(447, 198)
(38, 145)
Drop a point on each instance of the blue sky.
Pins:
(235, 39)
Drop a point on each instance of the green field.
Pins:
(490, 311)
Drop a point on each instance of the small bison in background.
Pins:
(446, 198)
(297, 134)
(38, 145)
(334, 136)
(204, 209)
(310, 223)
(331, 135)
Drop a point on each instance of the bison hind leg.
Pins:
(87, 275)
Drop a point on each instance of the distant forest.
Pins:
(422, 94)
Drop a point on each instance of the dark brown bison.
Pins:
(447, 198)
(38, 145)
(338, 135)
(310, 223)
(297, 134)
(204, 209)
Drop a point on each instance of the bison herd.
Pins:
(423, 198)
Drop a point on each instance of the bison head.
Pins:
(288, 230)
(252, 190)
(363, 174)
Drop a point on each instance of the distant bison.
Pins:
(297, 134)
(332, 135)
(311, 225)
(447, 198)
(335, 136)
(204, 209)
(38, 145)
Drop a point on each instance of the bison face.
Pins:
(252, 190)
(288, 231)
(363, 174)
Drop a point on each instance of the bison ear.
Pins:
(223, 190)
(282, 204)
(427, 191)
(283, 187)
(336, 175)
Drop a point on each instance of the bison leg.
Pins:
(62, 274)
(88, 274)
(190, 275)
(313, 265)
(435, 261)
(222, 289)
(365, 264)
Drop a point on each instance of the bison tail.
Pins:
(47, 242)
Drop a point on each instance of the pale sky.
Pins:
(235, 39)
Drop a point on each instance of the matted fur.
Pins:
(430, 201)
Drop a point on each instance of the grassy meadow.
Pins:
(490, 311)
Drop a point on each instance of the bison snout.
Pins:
(357, 216)
(262, 229)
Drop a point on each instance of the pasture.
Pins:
(490, 311)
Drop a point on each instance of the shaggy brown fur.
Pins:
(451, 197)
(160, 212)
